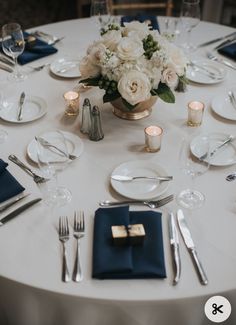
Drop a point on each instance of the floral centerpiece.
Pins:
(134, 63)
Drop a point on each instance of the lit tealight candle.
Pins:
(153, 134)
(195, 113)
(72, 103)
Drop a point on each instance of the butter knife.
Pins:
(191, 247)
(216, 40)
(174, 243)
(12, 202)
(124, 178)
(22, 99)
(19, 210)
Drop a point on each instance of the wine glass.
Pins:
(101, 13)
(13, 45)
(190, 18)
(194, 160)
(51, 161)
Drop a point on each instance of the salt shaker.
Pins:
(86, 116)
(96, 132)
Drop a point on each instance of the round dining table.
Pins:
(32, 291)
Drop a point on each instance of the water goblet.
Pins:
(13, 45)
(190, 18)
(51, 161)
(101, 13)
(194, 160)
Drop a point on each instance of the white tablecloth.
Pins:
(32, 292)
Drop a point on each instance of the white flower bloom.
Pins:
(111, 38)
(129, 49)
(170, 77)
(134, 87)
(88, 69)
(136, 28)
(178, 59)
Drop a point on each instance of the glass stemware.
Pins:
(100, 12)
(51, 161)
(193, 165)
(190, 18)
(13, 45)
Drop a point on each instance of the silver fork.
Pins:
(38, 179)
(38, 68)
(150, 204)
(64, 237)
(213, 57)
(232, 98)
(79, 232)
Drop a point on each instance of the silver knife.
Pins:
(12, 202)
(6, 67)
(22, 99)
(191, 247)
(124, 178)
(216, 40)
(19, 210)
(174, 242)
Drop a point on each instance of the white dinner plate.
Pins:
(34, 108)
(199, 75)
(66, 67)
(140, 189)
(225, 156)
(74, 144)
(222, 106)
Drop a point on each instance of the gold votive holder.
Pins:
(72, 103)
(153, 135)
(195, 113)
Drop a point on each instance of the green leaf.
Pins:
(128, 105)
(164, 92)
(110, 97)
(91, 81)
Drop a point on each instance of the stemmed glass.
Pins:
(190, 18)
(51, 161)
(13, 45)
(101, 12)
(194, 160)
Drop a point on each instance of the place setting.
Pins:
(224, 104)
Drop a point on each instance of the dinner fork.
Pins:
(79, 232)
(213, 57)
(204, 71)
(64, 237)
(38, 179)
(150, 204)
(232, 98)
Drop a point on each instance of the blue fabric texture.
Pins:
(9, 186)
(141, 18)
(229, 51)
(127, 262)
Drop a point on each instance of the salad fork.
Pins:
(79, 232)
(64, 237)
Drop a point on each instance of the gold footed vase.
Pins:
(142, 110)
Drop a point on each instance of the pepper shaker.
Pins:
(96, 132)
(86, 117)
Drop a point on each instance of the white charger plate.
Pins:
(225, 156)
(222, 106)
(34, 108)
(74, 144)
(197, 75)
(66, 67)
(140, 189)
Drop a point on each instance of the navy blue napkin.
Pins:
(229, 51)
(141, 18)
(9, 186)
(38, 51)
(127, 262)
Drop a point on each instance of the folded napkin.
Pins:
(127, 262)
(152, 20)
(37, 51)
(9, 186)
(229, 51)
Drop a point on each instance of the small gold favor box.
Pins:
(128, 235)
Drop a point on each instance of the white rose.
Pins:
(111, 38)
(88, 69)
(136, 28)
(129, 49)
(134, 87)
(178, 59)
(170, 77)
(97, 53)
